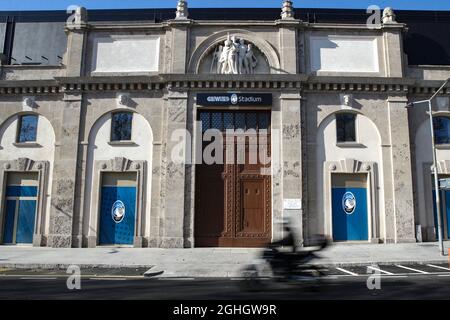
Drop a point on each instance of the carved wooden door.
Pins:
(233, 199)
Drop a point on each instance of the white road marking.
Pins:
(36, 278)
(108, 279)
(443, 275)
(378, 269)
(175, 279)
(411, 269)
(346, 271)
(439, 267)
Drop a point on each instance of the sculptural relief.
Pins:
(234, 57)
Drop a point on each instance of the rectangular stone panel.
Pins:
(125, 54)
(344, 54)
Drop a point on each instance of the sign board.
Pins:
(292, 204)
(234, 99)
(444, 184)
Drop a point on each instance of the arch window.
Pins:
(346, 127)
(441, 130)
(121, 126)
(27, 128)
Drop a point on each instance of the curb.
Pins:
(233, 270)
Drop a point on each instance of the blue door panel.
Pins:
(10, 210)
(112, 232)
(354, 226)
(25, 222)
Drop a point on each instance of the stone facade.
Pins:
(76, 101)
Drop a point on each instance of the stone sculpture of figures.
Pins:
(216, 60)
(250, 59)
(234, 57)
(224, 63)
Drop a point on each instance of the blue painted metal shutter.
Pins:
(25, 221)
(350, 226)
(112, 233)
(10, 210)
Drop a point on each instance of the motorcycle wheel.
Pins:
(251, 280)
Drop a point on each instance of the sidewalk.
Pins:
(209, 262)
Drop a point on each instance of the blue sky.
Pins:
(113, 4)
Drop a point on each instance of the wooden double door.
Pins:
(233, 198)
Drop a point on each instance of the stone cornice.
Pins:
(294, 23)
(280, 82)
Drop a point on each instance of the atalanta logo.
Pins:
(234, 98)
(118, 211)
(349, 203)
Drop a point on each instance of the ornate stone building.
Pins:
(104, 120)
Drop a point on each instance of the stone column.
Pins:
(288, 45)
(179, 45)
(65, 173)
(173, 208)
(76, 31)
(399, 188)
(393, 46)
(292, 160)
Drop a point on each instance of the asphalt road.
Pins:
(395, 282)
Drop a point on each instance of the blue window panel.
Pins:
(112, 233)
(10, 210)
(27, 128)
(21, 191)
(345, 127)
(263, 121)
(240, 121)
(228, 120)
(206, 123)
(441, 130)
(350, 227)
(216, 121)
(121, 125)
(252, 120)
(25, 221)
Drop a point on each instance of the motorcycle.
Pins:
(279, 264)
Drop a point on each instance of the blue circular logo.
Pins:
(118, 211)
(234, 98)
(349, 203)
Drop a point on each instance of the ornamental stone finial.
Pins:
(389, 15)
(81, 15)
(182, 10)
(287, 12)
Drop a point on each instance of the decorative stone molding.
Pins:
(118, 164)
(287, 11)
(353, 166)
(346, 101)
(213, 81)
(28, 165)
(28, 102)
